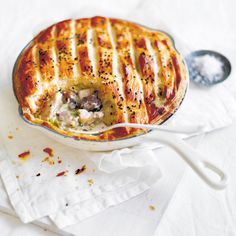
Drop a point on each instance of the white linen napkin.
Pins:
(35, 190)
(71, 198)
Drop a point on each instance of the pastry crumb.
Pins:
(62, 173)
(59, 161)
(49, 151)
(10, 136)
(90, 182)
(24, 155)
(49, 160)
(152, 208)
(80, 170)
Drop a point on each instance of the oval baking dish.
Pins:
(95, 72)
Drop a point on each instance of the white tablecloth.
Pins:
(198, 24)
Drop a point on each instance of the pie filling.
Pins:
(76, 110)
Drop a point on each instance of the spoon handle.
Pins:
(179, 129)
(194, 159)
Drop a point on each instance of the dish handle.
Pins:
(193, 158)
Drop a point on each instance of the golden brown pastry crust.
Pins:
(141, 76)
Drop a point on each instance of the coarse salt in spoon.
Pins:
(208, 67)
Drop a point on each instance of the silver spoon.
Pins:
(196, 74)
(180, 129)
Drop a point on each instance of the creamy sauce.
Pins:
(76, 111)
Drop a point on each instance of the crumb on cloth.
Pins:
(90, 182)
(59, 160)
(49, 151)
(49, 160)
(62, 173)
(24, 155)
(152, 208)
(10, 136)
(80, 170)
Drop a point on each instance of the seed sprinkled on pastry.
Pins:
(81, 74)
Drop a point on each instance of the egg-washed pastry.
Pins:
(94, 72)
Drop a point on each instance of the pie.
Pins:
(94, 72)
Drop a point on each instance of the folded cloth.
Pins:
(73, 185)
(41, 184)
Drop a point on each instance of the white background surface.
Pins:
(198, 24)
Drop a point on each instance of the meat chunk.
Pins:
(91, 103)
(66, 119)
(88, 117)
(84, 93)
(72, 99)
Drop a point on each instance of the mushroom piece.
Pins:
(91, 103)
(83, 107)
